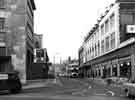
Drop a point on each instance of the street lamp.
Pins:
(55, 73)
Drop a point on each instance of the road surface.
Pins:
(69, 89)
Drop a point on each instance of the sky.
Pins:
(65, 23)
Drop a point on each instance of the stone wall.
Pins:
(16, 36)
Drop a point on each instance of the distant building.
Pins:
(40, 66)
(80, 56)
(38, 41)
(16, 36)
(108, 49)
(40, 55)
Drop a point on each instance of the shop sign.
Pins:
(130, 28)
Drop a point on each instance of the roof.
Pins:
(125, 0)
(33, 4)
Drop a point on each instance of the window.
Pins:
(3, 51)
(2, 37)
(92, 51)
(106, 26)
(107, 43)
(98, 48)
(102, 29)
(112, 22)
(2, 23)
(102, 46)
(37, 44)
(95, 50)
(127, 18)
(2, 4)
(113, 40)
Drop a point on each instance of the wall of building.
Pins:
(17, 34)
(38, 40)
(108, 47)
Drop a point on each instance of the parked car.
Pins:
(10, 81)
(129, 88)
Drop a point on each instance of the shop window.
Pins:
(99, 72)
(2, 24)
(114, 70)
(108, 71)
(125, 69)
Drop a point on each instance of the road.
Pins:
(69, 89)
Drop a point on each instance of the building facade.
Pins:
(40, 65)
(108, 49)
(38, 38)
(40, 53)
(16, 36)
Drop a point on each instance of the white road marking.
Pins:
(80, 92)
(90, 87)
(70, 90)
(76, 93)
(100, 94)
(111, 93)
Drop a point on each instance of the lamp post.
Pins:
(55, 72)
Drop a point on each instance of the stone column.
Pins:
(111, 68)
(118, 69)
(97, 72)
(133, 66)
(101, 70)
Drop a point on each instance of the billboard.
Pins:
(130, 28)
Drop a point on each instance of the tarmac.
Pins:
(37, 83)
(45, 82)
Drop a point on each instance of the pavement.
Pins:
(104, 82)
(37, 83)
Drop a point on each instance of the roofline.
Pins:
(33, 4)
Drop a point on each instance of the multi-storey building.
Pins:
(40, 66)
(80, 55)
(38, 40)
(109, 47)
(16, 36)
(40, 53)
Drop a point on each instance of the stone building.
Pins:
(16, 36)
(40, 66)
(38, 38)
(108, 49)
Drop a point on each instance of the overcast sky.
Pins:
(64, 23)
